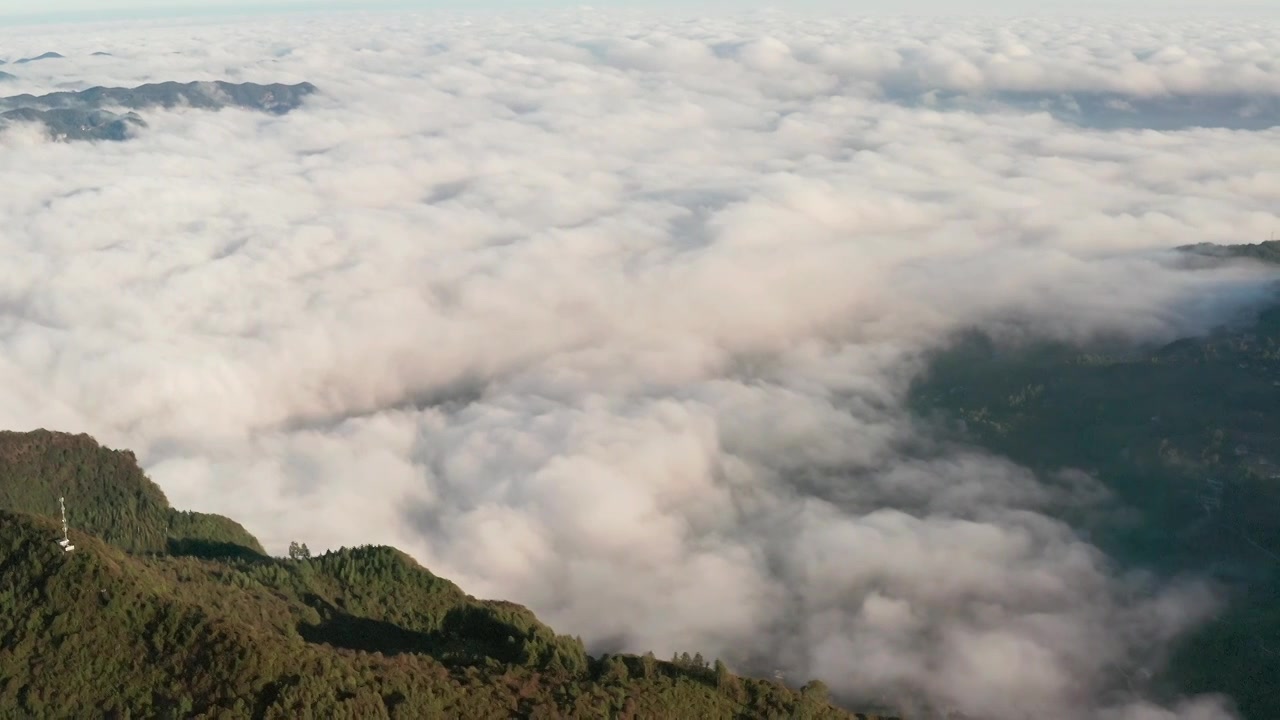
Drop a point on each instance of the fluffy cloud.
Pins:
(614, 316)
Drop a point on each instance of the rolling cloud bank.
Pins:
(614, 316)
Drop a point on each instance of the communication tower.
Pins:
(65, 542)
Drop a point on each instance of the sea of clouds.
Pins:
(614, 315)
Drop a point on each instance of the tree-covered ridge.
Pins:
(109, 496)
(1268, 251)
(131, 631)
(1185, 438)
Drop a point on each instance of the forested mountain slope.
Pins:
(161, 614)
(113, 498)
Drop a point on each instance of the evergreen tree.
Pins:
(299, 551)
(648, 665)
(816, 690)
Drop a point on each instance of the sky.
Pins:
(614, 314)
(86, 10)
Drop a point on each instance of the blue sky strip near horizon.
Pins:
(89, 11)
(18, 11)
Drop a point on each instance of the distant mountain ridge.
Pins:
(1266, 251)
(89, 114)
(275, 98)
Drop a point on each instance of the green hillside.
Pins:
(1185, 437)
(160, 614)
(113, 499)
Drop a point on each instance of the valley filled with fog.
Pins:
(617, 314)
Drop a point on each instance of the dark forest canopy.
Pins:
(1184, 439)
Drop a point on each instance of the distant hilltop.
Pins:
(45, 56)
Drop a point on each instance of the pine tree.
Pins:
(722, 674)
(299, 551)
(649, 665)
(816, 690)
(616, 670)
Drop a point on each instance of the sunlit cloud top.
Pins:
(613, 313)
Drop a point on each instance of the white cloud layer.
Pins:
(614, 316)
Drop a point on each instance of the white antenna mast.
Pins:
(65, 542)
